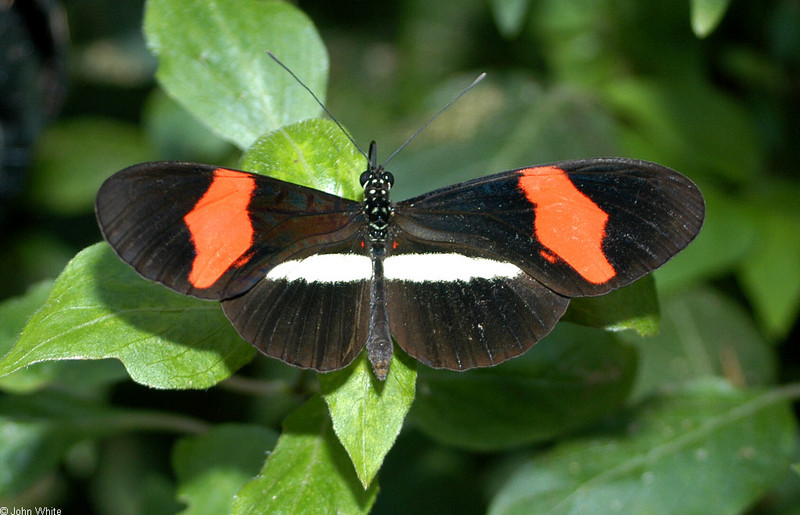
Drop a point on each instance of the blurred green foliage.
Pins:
(695, 419)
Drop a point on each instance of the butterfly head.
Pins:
(375, 176)
(377, 179)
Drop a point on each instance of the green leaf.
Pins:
(216, 64)
(14, 314)
(368, 413)
(74, 157)
(709, 447)
(702, 335)
(634, 307)
(313, 153)
(99, 308)
(510, 15)
(177, 134)
(308, 472)
(771, 274)
(212, 467)
(686, 125)
(706, 15)
(568, 380)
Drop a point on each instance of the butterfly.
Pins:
(465, 276)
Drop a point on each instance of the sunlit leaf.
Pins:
(307, 472)
(99, 308)
(217, 67)
(367, 413)
(706, 15)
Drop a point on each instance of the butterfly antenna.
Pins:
(318, 101)
(442, 110)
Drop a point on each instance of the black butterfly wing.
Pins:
(311, 312)
(528, 240)
(214, 233)
(452, 307)
(581, 227)
(229, 235)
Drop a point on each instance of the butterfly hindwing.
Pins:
(211, 232)
(311, 312)
(581, 227)
(457, 310)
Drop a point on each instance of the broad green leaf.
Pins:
(509, 15)
(634, 307)
(213, 60)
(706, 449)
(178, 135)
(686, 125)
(706, 15)
(74, 157)
(368, 413)
(313, 153)
(702, 335)
(308, 472)
(14, 314)
(771, 274)
(99, 308)
(213, 466)
(571, 378)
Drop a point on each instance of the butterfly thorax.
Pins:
(377, 184)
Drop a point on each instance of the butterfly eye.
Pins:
(364, 177)
(389, 178)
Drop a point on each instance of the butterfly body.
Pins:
(465, 276)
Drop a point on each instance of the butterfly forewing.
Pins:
(579, 227)
(212, 232)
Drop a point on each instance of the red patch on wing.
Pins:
(567, 222)
(220, 226)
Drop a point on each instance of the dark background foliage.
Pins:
(567, 79)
